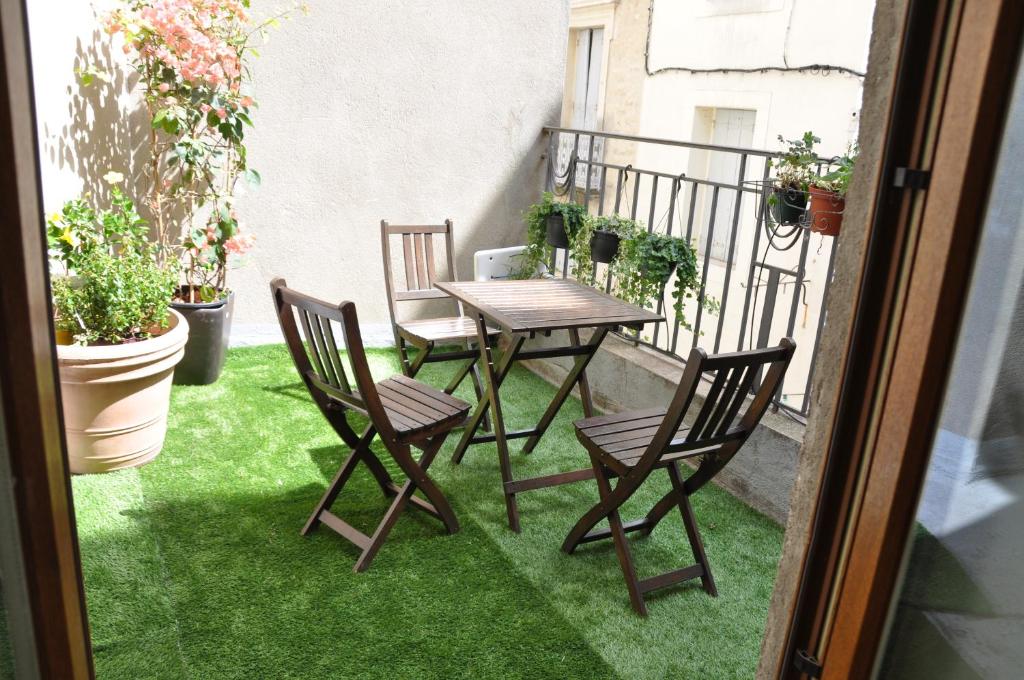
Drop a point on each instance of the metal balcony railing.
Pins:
(770, 280)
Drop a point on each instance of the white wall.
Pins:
(412, 111)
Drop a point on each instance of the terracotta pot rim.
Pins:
(175, 304)
(816, 190)
(171, 340)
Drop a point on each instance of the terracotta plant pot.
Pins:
(209, 328)
(116, 398)
(826, 211)
(556, 231)
(604, 246)
(789, 205)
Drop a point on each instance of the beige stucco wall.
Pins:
(412, 111)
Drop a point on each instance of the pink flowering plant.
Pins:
(192, 58)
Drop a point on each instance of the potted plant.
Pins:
(793, 173)
(549, 224)
(122, 342)
(646, 263)
(606, 233)
(828, 195)
(193, 65)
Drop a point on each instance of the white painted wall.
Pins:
(412, 111)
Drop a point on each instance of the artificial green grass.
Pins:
(194, 567)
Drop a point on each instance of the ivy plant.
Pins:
(537, 249)
(646, 262)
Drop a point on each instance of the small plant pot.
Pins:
(604, 246)
(115, 398)
(790, 205)
(826, 211)
(556, 231)
(210, 328)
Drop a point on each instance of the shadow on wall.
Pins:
(105, 129)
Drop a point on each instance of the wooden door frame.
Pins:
(949, 101)
(33, 432)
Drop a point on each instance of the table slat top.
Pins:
(546, 304)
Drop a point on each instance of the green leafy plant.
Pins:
(794, 167)
(108, 285)
(646, 262)
(537, 249)
(838, 179)
(582, 264)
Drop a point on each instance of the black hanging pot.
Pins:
(604, 246)
(789, 205)
(556, 231)
(209, 326)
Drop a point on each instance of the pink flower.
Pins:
(246, 101)
(205, 108)
(163, 87)
(222, 113)
(239, 244)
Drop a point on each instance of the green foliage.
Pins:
(838, 180)
(537, 249)
(112, 289)
(76, 232)
(646, 262)
(794, 168)
(582, 265)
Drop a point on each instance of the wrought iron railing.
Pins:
(716, 198)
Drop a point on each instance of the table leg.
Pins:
(498, 422)
(585, 396)
(475, 421)
(574, 376)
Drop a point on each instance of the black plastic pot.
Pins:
(790, 205)
(209, 326)
(604, 246)
(556, 231)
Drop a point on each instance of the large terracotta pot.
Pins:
(116, 399)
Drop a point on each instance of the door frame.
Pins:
(52, 639)
(949, 98)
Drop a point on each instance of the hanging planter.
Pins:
(604, 246)
(556, 236)
(826, 211)
(788, 205)
(793, 174)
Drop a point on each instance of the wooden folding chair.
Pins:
(405, 413)
(631, 445)
(420, 274)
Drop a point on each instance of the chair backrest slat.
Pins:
(419, 254)
(724, 401)
(339, 365)
(710, 401)
(737, 401)
(713, 428)
(315, 353)
(410, 264)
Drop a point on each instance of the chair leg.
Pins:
(636, 597)
(340, 479)
(430, 489)
(384, 528)
(692, 532)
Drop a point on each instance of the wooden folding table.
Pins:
(523, 309)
